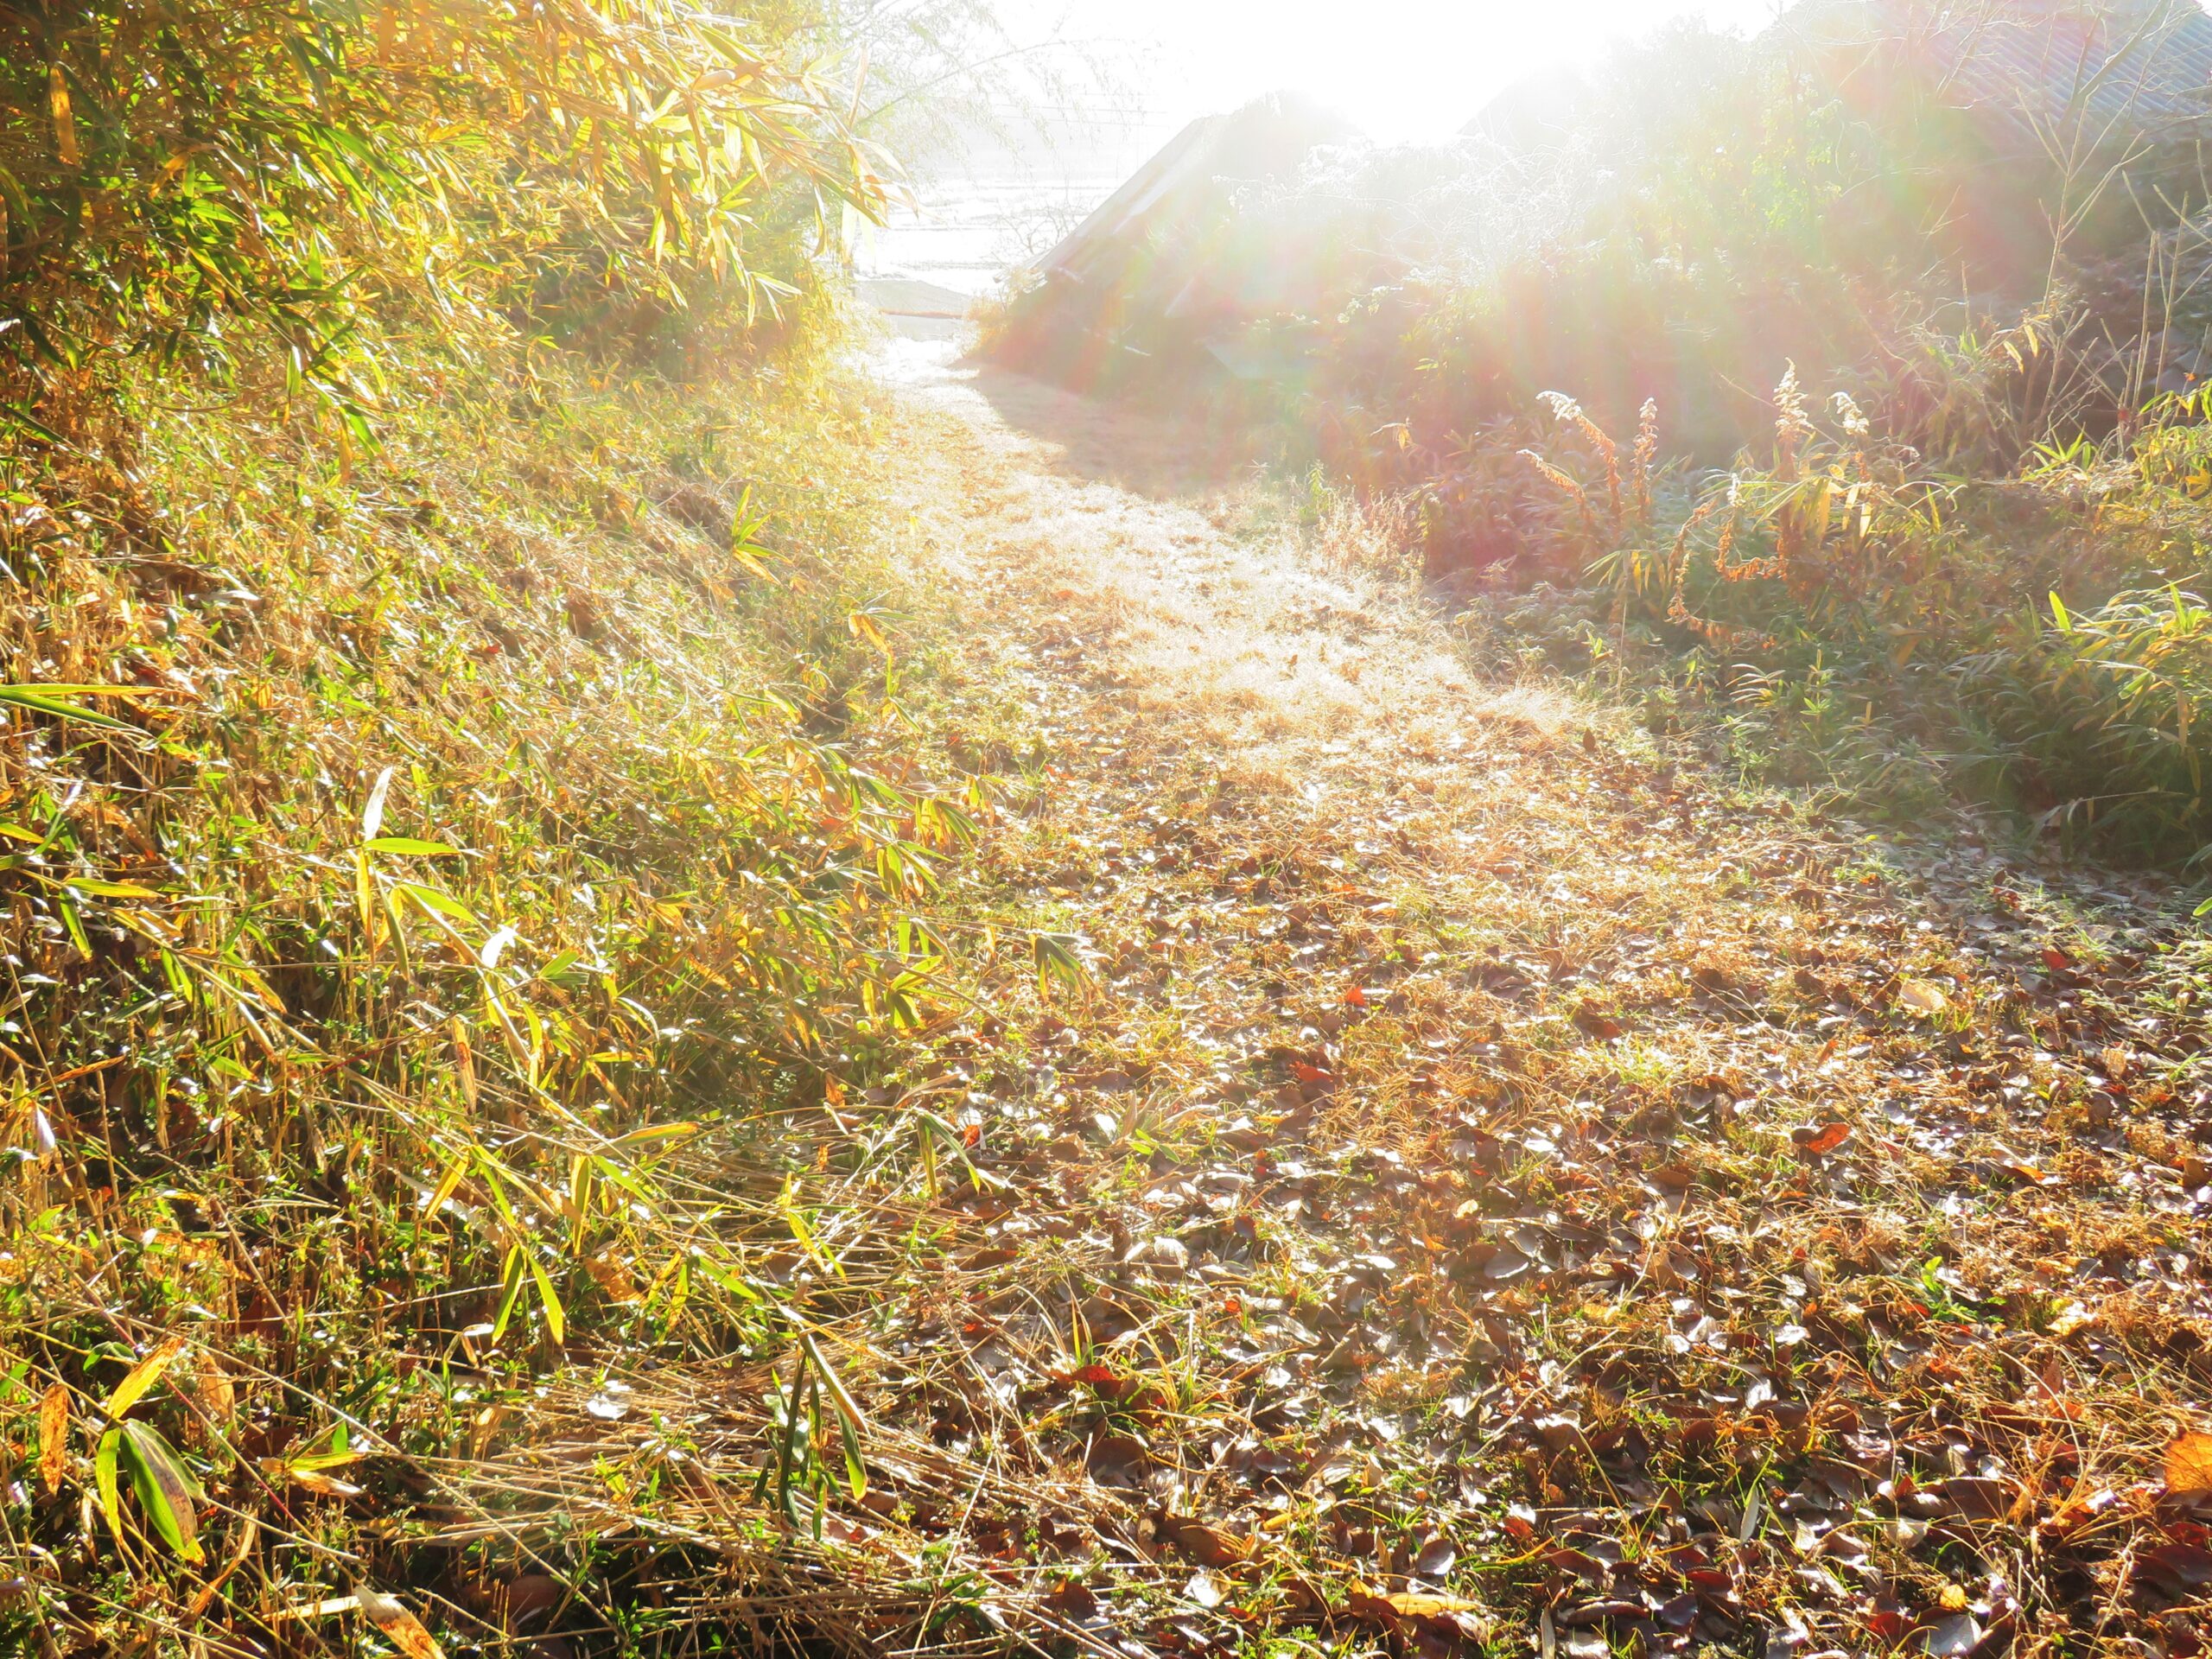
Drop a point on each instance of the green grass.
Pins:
(505, 833)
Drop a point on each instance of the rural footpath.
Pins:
(1454, 915)
(1494, 1190)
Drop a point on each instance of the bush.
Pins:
(1840, 573)
(186, 187)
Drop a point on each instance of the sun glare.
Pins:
(1402, 70)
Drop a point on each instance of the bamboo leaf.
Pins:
(104, 1478)
(142, 1376)
(557, 1319)
(372, 813)
(398, 1626)
(61, 701)
(53, 1438)
(163, 1489)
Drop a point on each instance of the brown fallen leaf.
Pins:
(1920, 997)
(1118, 1460)
(2179, 1569)
(217, 1393)
(2188, 1466)
(1207, 1546)
(1603, 1027)
(400, 1627)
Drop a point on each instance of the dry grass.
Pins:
(1439, 1192)
(1551, 1161)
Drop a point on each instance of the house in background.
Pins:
(2015, 123)
(1159, 268)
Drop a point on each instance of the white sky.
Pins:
(1401, 69)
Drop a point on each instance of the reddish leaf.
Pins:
(1817, 1140)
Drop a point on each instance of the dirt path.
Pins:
(1497, 1192)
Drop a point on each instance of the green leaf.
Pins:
(408, 844)
(1056, 959)
(93, 889)
(557, 1319)
(848, 1410)
(56, 699)
(512, 1292)
(164, 1489)
(2058, 614)
(29, 423)
(104, 1478)
(436, 900)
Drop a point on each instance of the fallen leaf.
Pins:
(1118, 1460)
(217, 1393)
(2188, 1466)
(1436, 1558)
(2177, 1568)
(1922, 997)
(1407, 1605)
(400, 1627)
(1952, 1637)
(1207, 1546)
(2071, 1319)
(1073, 1599)
(1817, 1140)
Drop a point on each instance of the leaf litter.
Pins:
(1421, 1166)
(1496, 1185)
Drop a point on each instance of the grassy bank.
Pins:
(469, 852)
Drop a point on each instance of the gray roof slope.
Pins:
(1181, 186)
(2124, 66)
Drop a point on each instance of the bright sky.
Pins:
(1401, 69)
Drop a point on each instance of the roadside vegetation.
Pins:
(456, 807)
(1860, 431)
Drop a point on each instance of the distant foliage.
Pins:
(183, 184)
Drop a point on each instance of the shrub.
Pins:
(1837, 572)
(183, 184)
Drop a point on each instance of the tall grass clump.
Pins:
(1877, 625)
(460, 830)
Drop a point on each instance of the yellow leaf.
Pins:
(312, 1479)
(53, 1438)
(143, 1375)
(65, 122)
(1418, 1606)
(2188, 1464)
(400, 1628)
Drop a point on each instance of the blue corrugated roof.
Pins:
(2123, 66)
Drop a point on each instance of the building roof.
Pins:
(1185, 187)
(2132, 68)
